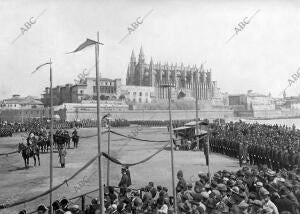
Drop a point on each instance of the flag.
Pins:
(87, 43)
(47, 63)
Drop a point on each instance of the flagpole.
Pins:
(101, 196)
(169, 87)
(197, 117)
(51, 137)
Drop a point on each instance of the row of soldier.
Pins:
(271, 145)
(7, 129)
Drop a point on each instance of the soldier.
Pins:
(123, 184)
(62, 156)
(241, 151)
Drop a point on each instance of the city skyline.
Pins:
(261, 57)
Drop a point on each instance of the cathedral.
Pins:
(183, 78)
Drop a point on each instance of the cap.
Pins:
(264, 192)
(64, 201)
(221, 187)
(243, 205)
(235, 189)
(42, 207)
(205, 195)
(259, 184)
(180, 173)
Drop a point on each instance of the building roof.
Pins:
(22, 100)
(102, 79)
(256, 95)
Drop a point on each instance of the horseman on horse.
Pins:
(30, 150)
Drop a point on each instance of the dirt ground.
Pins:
(17, 183)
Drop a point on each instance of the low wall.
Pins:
(152, 114)
(279, 113)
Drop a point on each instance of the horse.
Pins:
(29, 151)
(43, 143)
(67, 139)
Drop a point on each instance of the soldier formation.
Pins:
(258, 144)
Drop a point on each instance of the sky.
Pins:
(262, 56)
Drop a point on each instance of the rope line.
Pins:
(9, 153)
(131, 137)
(116, 161)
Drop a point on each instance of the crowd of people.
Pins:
(270, 183)
(247, 191)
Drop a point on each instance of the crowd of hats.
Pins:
(247, 191)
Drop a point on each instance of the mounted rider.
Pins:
(31, 139)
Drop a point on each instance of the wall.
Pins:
(150, 114)
(23, 114)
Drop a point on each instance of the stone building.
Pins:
(83, 90)
(184, 78)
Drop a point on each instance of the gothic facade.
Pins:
(184, 78)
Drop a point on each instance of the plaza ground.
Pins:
(17, 183)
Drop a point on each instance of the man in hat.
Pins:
(55, 205)
(123, 184)
(42, 209)
(181, 185)
(64, 204)
(93, 206)
(267, 203)
(62, 156)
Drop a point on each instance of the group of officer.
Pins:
(256, 144)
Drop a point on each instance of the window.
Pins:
(146, 100)
(94, 89)
(140, 100)
(141, 94)
(81, 91)
(146, 94)
(134, 100)
(134, 93)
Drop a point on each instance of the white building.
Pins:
(17, 102)
(138, 94)
(259, 102)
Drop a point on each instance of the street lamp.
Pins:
(169, 86)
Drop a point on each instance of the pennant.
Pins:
(47, 63)
(87, 43)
